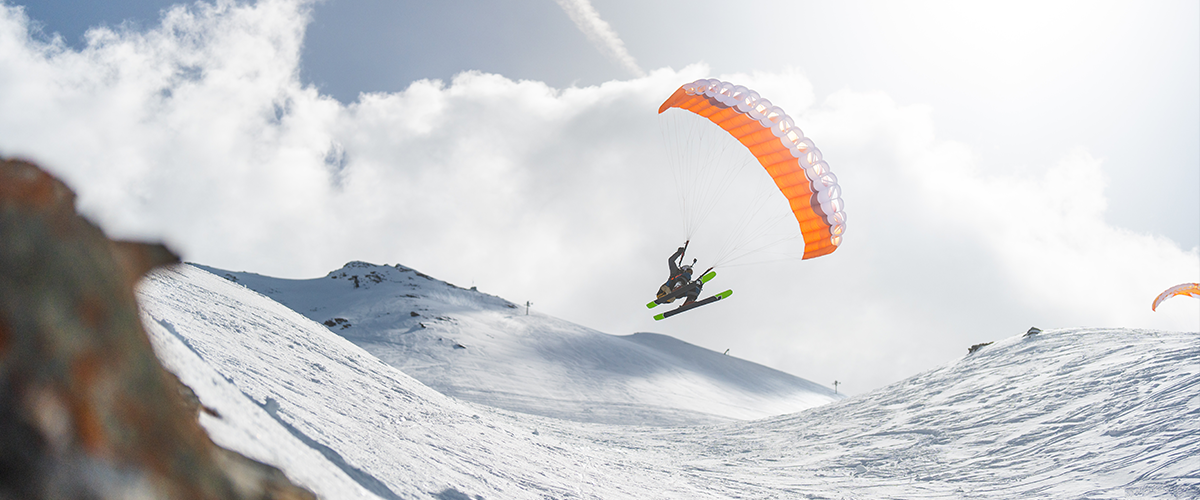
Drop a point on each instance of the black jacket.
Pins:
(678, 276)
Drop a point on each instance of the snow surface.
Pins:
(1074, 413)
(485, 349)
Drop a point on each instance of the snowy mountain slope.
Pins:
(1086, 413)
(337, 420)
(1083, 413)
(484, 349)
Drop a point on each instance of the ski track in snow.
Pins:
(1074, 413)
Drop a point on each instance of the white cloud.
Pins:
(602, 36)
(199, 132)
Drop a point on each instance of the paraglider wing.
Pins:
(791, 159)
(1192, 289)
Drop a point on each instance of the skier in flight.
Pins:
(680, 284)
(680, 275)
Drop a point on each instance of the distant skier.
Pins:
(680, 275)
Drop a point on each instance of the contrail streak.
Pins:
(600, 33)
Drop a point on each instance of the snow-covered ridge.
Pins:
(482, 348)
(1064, 414)
(286, 391)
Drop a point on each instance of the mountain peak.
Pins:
(485, 349)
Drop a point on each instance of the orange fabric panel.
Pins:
(779, 163)
(674, 101)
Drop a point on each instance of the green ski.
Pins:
(694, 305)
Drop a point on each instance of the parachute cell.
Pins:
(1190, 289)
(791, 159)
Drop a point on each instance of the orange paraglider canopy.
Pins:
(1191, 289)
(791, 159)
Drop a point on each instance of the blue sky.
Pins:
(1004, 164)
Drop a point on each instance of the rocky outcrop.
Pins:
(86, 410)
